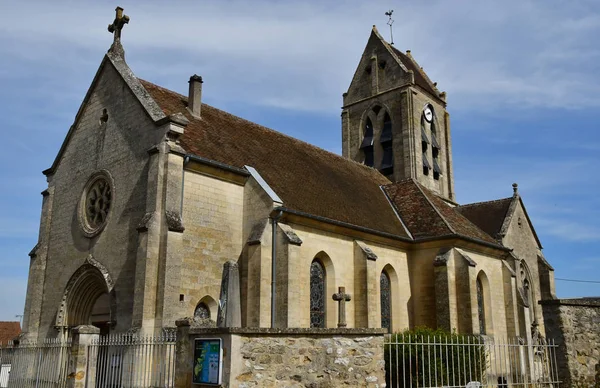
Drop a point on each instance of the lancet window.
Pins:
(387, 162)
(367, 144)
(481, 307)
(317, 294)
(385, 294)
(429, 138)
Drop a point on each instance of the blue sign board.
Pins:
(208, 360)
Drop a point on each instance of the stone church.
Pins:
(153, 192)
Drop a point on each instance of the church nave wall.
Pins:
(346, 266)
(212, 214)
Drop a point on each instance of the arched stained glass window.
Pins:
(480, 307)
(317, 294)
(202, 311)
(385, 293)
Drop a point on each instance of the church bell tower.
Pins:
(394, 119)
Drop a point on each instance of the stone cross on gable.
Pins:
(120, 21)
(341, 297)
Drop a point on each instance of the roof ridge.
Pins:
(267, 128)
(459, 214)
(433, 206)
(482, 202)
(420, 69)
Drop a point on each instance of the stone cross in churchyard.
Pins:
(120, 21)
(341, 297)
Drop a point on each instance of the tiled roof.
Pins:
(420, 77)
(488, 216)
(427, 215)
(308, 179)
(8, 331)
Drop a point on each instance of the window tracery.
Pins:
(385, 293)
(481, 307)
(202, 311)
(96, 202)
(317, 294)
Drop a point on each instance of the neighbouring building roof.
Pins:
(8, 331)
(427, 215)
(307, 178)
(488, 216)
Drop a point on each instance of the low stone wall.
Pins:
(318, 358)
(575, 325)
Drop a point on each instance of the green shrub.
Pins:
(426, 357)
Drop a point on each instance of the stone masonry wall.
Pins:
(310, 361)
(264, 357)
(575, 326)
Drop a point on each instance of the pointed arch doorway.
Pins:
(88, 299)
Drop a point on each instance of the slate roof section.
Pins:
(428, 216)
(8, 331)
(307, 178)
(488, 216)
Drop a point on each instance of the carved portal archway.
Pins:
(83, 289)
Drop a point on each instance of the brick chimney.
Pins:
(195, 95)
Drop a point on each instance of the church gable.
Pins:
(379, 69)
(488, 216)
(428, 216)
(115, 67)
(98, 186)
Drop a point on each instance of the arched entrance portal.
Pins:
(89, 298)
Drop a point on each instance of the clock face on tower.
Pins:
(428, 113)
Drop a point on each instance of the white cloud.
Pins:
(301, 55)
(568, 229)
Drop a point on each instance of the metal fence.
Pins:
(28, 364)
(468, 361)
(127, 360)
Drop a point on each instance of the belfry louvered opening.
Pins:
(387, 161)
(429, 137)
(367, 144)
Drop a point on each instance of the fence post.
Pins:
(183, 354)
(82, 365)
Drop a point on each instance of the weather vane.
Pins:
(389, 23)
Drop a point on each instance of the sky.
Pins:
(522, 78)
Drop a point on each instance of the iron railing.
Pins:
(126, 360)
(468, 361)
(31, 364)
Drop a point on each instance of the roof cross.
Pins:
(341, 297)
(120, 21)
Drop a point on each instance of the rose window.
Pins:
(97, 203)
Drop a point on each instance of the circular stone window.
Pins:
(96, 202)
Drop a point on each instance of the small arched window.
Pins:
(367, 144)
(202, 311)
(317, 294)
(481, 307)
(385, 295)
